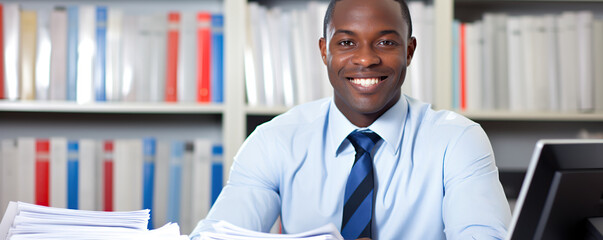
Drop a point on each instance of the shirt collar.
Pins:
(389, 126)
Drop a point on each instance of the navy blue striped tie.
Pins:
(358, 201)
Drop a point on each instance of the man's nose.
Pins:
(366, 56)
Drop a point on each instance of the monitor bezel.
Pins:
(536, 156)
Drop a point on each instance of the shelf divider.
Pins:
(110, 107)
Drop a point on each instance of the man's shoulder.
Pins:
(442, 130)
(300, 116)
(427, 117)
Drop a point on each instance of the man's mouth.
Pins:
(368, 81)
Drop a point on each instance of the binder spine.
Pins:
(72, 174)
(217, 61)
(99, 64)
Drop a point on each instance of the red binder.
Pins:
(171, 88)
(42, 172)
(108, 175)
(463, 49)
(203, 57)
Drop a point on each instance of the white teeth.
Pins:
(365, 82)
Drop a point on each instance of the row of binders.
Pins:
(177, 180)
(283, 66)
(420, 75)
(548, 62)
(87, 53)
(502, 62)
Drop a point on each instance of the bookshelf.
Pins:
(215, 122)
(513, 134)
(230, 122)
(110, 107)
(533, 116)
(222, 122)
(478, 115)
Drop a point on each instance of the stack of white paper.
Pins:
(227, 231)
(28, 221)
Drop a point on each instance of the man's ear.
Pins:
(410, 49)
(322, 44)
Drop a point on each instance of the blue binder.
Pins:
(72, 174)
(101, 53)
(217, 170)
(72, 43)
(217, 58)
(149, 153)
(175, 181)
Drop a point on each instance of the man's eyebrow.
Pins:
(385, 32)
(343, 31)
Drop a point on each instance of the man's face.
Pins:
(366, 53)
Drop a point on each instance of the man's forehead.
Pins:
(376, 14)
(365, 6)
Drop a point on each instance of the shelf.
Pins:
(72, 107)
(476, 115)
(533, 116)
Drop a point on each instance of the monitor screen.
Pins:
(563, 188)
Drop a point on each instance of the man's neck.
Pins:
(362, 120)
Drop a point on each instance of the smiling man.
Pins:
(374, 162)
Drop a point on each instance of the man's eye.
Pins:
(346, 43)
(388, 43)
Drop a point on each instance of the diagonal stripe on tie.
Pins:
(360, 221)
(358, 198)
(367, 230)
(363, 190)
(357, 175)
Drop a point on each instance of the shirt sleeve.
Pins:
(474, 204)
(250, 198)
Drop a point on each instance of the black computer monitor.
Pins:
(562, 189)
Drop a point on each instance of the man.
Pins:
(372, 161)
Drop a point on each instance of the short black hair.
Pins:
(331, 8)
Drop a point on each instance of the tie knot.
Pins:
(363, 141)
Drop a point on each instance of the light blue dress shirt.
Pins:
(435, 176)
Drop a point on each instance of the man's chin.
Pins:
(372, 106)
(369, 109)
